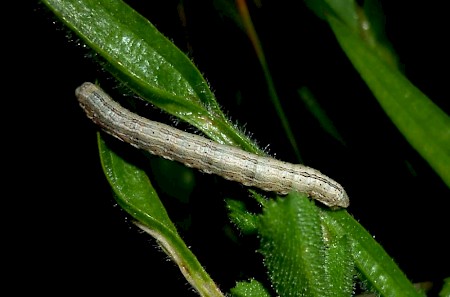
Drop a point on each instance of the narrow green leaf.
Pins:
(135, 194)
(367, 22)
(345, 10)
(371, 21)
(369, 257)
(133, 190)
(423, 124)
(293, 247)
(112, 28)
(136, 53)
(340, 266)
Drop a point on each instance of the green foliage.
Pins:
(252, 288)
(446, 288)
(369, 257)
(239, 215)
(139, 56)
(308, 251)
(423, 123)
(293, 247)
(134, 193)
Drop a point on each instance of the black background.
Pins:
(62, 217)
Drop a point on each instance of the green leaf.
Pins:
(367, 22)
(252, 288)
(133, 190)
(135, 194)
(340, 266)
(239, 215)
(445, 292)
(369, 257)
(293, 247)
(423, 124)
(345, 10)
(138, 55)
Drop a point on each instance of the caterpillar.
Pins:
(232, 163)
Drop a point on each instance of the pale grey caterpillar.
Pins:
(231, 163)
